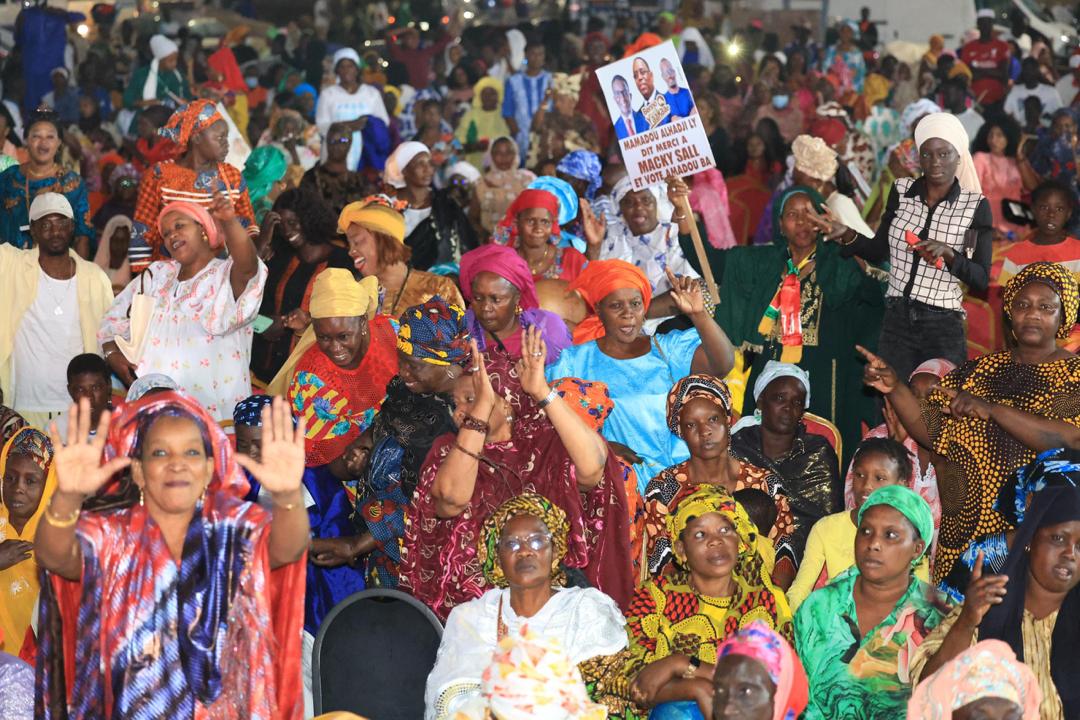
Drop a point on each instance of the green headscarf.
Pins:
(778, 208)
(910, 504)
(264, 167)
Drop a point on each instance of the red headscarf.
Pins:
(831, 130)
(643, 42)
(504, 262)
(527, 200)
(223, 62)
(197, 213)
(599, 279)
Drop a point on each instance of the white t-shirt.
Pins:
(1014, 102)
(1067, 89)
(48, 337)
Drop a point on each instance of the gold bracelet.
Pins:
(286, 507)
(60, 522)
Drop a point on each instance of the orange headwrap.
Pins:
(643, 42)
(188, 120)
(599, 279)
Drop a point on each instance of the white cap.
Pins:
(50, 204)
(162, 47)
(985, 13)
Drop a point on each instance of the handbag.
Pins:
(140, 313)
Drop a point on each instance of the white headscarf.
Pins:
(664, 208)
(403, 154)
(161, 47)
(346, 53)
(948, 127)
(103, 256)
(516, 39)
(465, 170)
(705, 56)
(770, 372)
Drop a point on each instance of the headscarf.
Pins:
(916, 110)
(465, 170)
(563, 84)
(377, 214)
(876, 88)
(589, 399)
(760, 642)
(145, 383)
(814, 157)
(644, 41)
(625, 186)
(532, 678)
(403, 154)
(1058, 279)
(197, 213)
(188, 120)
(910, 504)
(829, 129)
(122, 171)
(335, 293)
(1059, 467)
(599, 279)
(563, 192)
(265, 166)
(708, 499)
(692, 387)
(705, 55)
(1050, 506)
(709, 198)
(248, 412)
(161, 47)
(504, 262)
(526, 200)
(946, 126)
(103, 254)
(489, 164)
(938, 367)
(435, 332)
(583, 165)
(346, 53)
(538, 507)
(223, 62)
(483, 84)
(772, 370)
(988, 669)
(786, 303)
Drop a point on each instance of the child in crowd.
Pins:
(762, 511)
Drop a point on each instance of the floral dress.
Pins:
(199, 334)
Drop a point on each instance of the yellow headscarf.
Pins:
(483, 84)
(376, 215)
(335, 293)
(19, 586)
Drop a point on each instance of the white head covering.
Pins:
(814, 157)
(517, 42)
(705, 56)
(770, 372)
(161, 47)
(394, 174)
(465, 170)
(346, 53)
(103, 256)
(664, 208)
(948, 127)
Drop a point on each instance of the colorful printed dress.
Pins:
(17, 192)
(861, 678)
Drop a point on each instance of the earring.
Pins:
(202, 498)
(206, 238)
(142, 502)
(518, 311)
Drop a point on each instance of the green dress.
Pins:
(874, 684)
(171, 85)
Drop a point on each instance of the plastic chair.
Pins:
(373, 654)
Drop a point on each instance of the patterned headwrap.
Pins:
(599, 279)
(761, 642)
(591, 400)
(188, 120)
(708, 499)
(988, 669)
(34, 444)
(435, 332)
(527, 200)
(563, 84)
(377, 213)
(908, 503)
(1058, 279)
(248, 412)
(938, 367)
(1059, 467)
(504, 262)
(532, 504)
(691, 387)
(583, 165)
(814, 157)
(145, 383)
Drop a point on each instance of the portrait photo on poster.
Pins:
(655, 117)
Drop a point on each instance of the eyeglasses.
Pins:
(536, 543)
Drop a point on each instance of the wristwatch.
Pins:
(691, 668)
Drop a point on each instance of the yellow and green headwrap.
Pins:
(707, 499)
(525, 504)
(1058, 279)
(909, 504)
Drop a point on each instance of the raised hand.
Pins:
(827, 223)
(531, 365)
(594, 226)
(221, 208)
(484, 394)
(982, 593)
(296, 320)
(282, 465)
(677, 191)
(686, 294)
(79, 470)
(964, 404)
(878, 373)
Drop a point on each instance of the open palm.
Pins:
(686, 293)
(282, 466)
(78, 461)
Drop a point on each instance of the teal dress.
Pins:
(862, 678)
(17, 193)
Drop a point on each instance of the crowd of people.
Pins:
(358, 306)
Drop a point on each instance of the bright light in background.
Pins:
(468, 14)
(367, 43)
(733, 49)
(391, 19)
(83, 29)
(445, 20)
(424, 27)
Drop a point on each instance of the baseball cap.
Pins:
(985, 13)
(50, 204)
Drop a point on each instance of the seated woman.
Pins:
(336, 376)
(297, 233)
(759, 675)
(699, 412)
(203, 307)
(384, 464)
(854, 634)
(830, 547)
(503, 304)
(505, 447)
(376, 233)
(984, 681)
(1031, 605)
(520, 548)
(994, 413)
(776, 438)
(531, 227)
(640, 370)
(29, 480)
(225, 625)
(677, 621)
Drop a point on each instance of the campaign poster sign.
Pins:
(655, 116)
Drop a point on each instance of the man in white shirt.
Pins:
(54, 301)
(1031, 85)
(1068, 85)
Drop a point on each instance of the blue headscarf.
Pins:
(583, 165)
(435, 332)
(568, 207)
(249, 411)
